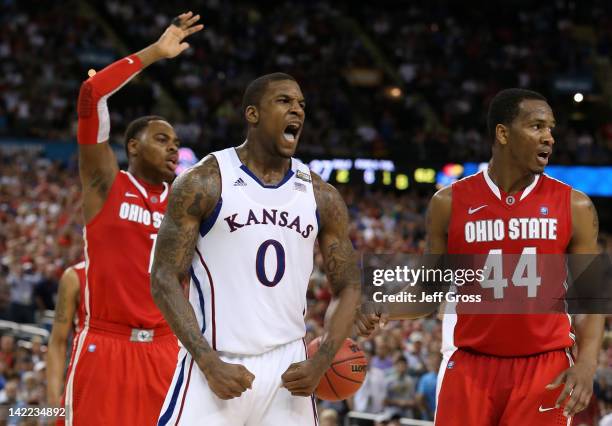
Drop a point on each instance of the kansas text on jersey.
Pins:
(253, 259)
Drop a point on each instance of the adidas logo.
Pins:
(240, 182)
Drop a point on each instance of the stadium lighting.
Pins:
(401, 182)
(342, 176)
(578, 97)
(369, 177)
(393, 92)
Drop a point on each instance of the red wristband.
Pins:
(94, 120)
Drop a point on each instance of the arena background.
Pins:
(396, 98)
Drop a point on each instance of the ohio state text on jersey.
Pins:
(119, 245)
(487, 221)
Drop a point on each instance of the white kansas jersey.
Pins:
(254, 258)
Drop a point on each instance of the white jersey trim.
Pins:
(528, 190)
(495, 189)
(164, 194)
(491, 184)
(103, 114)
(137, 184)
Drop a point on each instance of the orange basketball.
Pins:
(345, 374)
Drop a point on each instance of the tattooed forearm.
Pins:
(341, 266)
(172, 257)
(328, 350)
(190, 200)
(178, 313)
(342, 269)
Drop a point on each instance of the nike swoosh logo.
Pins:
(130, 60)
(542, 410)
(472, 211)
(129, 194)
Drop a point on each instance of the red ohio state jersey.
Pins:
(119, 244)
(487, 221)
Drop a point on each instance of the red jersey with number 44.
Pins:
(515, 234)
(119, 243)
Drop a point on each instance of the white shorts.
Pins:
(190, 402)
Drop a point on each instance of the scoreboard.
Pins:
(372, 172)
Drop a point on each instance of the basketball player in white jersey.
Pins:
(242, 225)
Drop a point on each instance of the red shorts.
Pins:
(114, 380)
(482, 390)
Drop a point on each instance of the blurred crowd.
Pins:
(41, 49)
(446, 60)
(22, 376)
(40, 232)
(456, 58)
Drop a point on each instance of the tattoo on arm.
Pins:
(327, 350)
(340, 259)
(99, 183)
(60, 308)
(194, 209)
(341, 266)
(67, 297)
(193, 196)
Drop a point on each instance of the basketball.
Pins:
(345, 374)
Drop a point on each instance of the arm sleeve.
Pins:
(94, 120)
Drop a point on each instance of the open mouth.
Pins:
(543, 157)
(292, 131)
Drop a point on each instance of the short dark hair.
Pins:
(137, 126)
(256, 88)
(504, 107)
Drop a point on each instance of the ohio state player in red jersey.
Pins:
(69, 315)
(125, 353)
(508, 369)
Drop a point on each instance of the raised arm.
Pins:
(589, 328)
(344, 276)
(193, 197)
(97, 163)
(67, 304)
